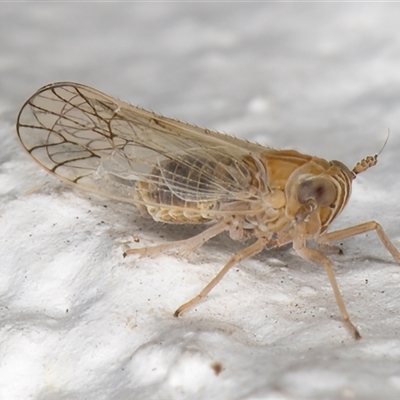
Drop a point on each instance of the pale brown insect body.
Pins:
(182, 174)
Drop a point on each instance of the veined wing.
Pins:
(102, 144)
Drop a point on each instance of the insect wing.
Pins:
(104, 145)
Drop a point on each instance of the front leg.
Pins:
(362, 228)
(321, 259)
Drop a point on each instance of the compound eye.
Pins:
(322, 190)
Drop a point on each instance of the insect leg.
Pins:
(321, 259)
(362, 228)
(249, 251)
(186, 245)
(329, 248)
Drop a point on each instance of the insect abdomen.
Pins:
(163, 196)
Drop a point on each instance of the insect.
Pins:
(179, 173)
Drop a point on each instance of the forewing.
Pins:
(104, 145)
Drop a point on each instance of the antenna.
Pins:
(369, 161)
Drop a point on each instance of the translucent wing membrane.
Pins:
(105, 145)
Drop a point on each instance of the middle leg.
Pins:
(247, 252)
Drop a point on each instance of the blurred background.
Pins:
(318, 77)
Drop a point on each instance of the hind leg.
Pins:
(181, 247)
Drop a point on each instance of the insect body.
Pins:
(182, 174)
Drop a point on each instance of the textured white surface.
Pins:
(77, 321)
